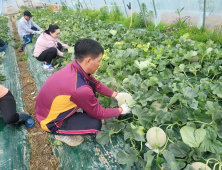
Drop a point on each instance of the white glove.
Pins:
(125, 109)
(38, 32)
(119, 95)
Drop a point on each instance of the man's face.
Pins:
(27, 17)
(94, 64)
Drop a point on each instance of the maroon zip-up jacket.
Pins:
(67, 90)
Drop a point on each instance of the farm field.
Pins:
(175, 85)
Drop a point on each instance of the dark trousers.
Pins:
(49, 54)
(28, 38)
(3, 48)
(80, 124)
(8, 108)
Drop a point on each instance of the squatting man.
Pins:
(74, 87)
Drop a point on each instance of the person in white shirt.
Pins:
(26, 28)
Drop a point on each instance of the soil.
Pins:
(54, 7)
(42, 157)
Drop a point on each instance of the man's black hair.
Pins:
(85, 47)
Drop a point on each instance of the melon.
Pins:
(113, 83)
(199, 165)
(156, 136)
(195, 59)
(123, 99)
(157, 106)
(124, 80)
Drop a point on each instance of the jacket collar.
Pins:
(48, 37)
(25, 20)
(79, 68)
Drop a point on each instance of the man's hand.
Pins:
(38, 32)
(124, 109)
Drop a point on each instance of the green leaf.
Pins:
(202, 96)
(179, 115)
(218, 91)
(152, 81)
(107, 80)
(131, 103)
(111, 127)
(171, 162)
(113, 32)
(58, 143)
(127, 156)
(191, 136)
(103, 137)
(195, 153)
(144, 64)
(190, 55)
(136, 133)
(71, 50)
(176, 97)
(181, 67)
(217, 117)
(143, 115)
(149, 159)
(189, 167)
(210, 143)
(159, 160)
(169, 157)
(179, 149)
(155, 96)
(209, 50)
(190, 93)
(212, 107)
(211, 146)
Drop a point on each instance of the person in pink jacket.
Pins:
(74, 87)
(48, 46)
(8, 110)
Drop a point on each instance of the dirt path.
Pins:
(42, 157)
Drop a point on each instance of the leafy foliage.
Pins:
(158, 68)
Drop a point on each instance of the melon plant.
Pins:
(199, 165)
(156, 137)
(123, 99)
(157, 106)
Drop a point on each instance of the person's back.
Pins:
(54, 96)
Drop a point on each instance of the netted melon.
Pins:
(157, 106)
(199, 165)
(156, 137)
(123, 99)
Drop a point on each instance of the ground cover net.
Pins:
(14, 144)
(90, 154)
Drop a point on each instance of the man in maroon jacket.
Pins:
(74, 87)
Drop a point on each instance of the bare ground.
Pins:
(42, 157)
